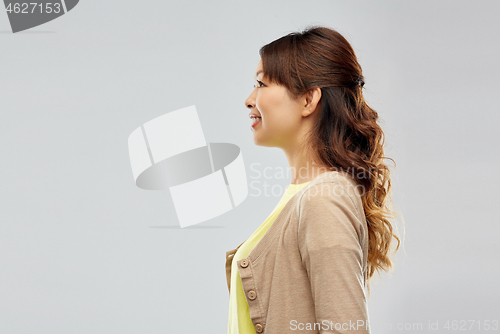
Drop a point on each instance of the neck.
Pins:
(302, 166)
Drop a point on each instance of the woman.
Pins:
(306, 268)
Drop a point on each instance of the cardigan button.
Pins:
(252, 295)
(244, 263)
(259, 328)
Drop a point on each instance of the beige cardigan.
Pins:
(308, 272)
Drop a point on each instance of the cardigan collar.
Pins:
(275, 227)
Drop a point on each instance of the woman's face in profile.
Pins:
(280, 115)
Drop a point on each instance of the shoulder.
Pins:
(331, 187)
(331, 205)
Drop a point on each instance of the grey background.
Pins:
(83, 250)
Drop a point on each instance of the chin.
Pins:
(257, 142)
(264, 142)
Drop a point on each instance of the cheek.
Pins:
(277, 112)
(262, 104)
(269, 104)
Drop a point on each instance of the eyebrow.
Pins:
(256, 74)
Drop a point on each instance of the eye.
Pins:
(260, 83)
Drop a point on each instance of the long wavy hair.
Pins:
(347, 135)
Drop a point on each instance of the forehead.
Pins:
(259, 68)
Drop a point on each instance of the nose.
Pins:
(250, 101)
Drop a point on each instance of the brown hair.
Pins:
(347, 135)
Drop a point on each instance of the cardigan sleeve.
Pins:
(330, 238)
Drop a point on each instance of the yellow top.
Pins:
(239, 314)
